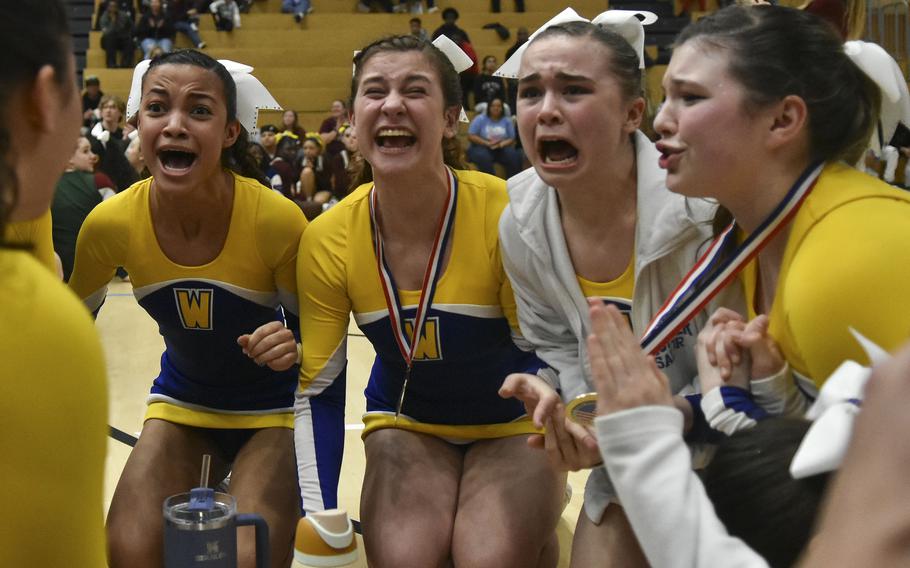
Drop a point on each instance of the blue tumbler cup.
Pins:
(206, 537)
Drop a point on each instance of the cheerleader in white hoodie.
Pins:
(593, 218)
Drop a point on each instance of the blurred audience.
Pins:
(185, 15)
(226, 14)
(75, 196)
(492, 137)
(487, 87)
(155, 29)
(109, 139)
(91, 99)
(315, 172)
(286, 171)
(117, 36)
(291, 124)
(300, 8)
(416, 27)
(268, 138)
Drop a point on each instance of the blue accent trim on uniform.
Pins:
(328, 436)
(740, 400)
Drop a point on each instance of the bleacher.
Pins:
(308, 65)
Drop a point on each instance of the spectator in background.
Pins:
(291, 124)
(487, 87)
(109, 140)
(117, 36)
(286, 172)
(330, 126)
(449, 28)
(155, 29)
(126, 6)
(300, 8)
(185, 15)
(268, 138)
(259, 155)
(75, 196)
(315, 172)
(492, 137)
(351, 159)
(417, 29)
(91, 98)
(226, 14)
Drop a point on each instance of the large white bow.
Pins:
(251, 93)
(833, 412)
(624, 22)
(460, 61)
(884, 70)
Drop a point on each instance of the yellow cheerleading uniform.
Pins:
(470, 343)
(617, 292)
(53, 430)
(39, 234)
(205, 380)
(846, 264)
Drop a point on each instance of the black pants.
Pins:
(497, 5)
(223, 24)
(113, 45)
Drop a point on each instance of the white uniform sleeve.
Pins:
(665, 501)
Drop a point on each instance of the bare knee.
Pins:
(496, 548)
(406, 552)
(133, 542)
(609, 543)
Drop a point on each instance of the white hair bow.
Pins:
(833, 412)
(251, 93)
(624, 22)
(884, 70)
(460, 61)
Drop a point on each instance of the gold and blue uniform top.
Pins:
(846, 264)
(469, 343)
(205, 378)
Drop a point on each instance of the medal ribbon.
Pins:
(408, 346)
(713, 271)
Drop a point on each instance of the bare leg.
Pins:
(609, 544)
(410, 492)
(509, 503)
(264, 481)
(165, 462)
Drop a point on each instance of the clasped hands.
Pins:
(729, 350)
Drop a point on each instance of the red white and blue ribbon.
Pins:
(408, 345)
(714, 270)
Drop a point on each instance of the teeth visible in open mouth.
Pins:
(394, 138)
(176, 159)
(557, 152)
